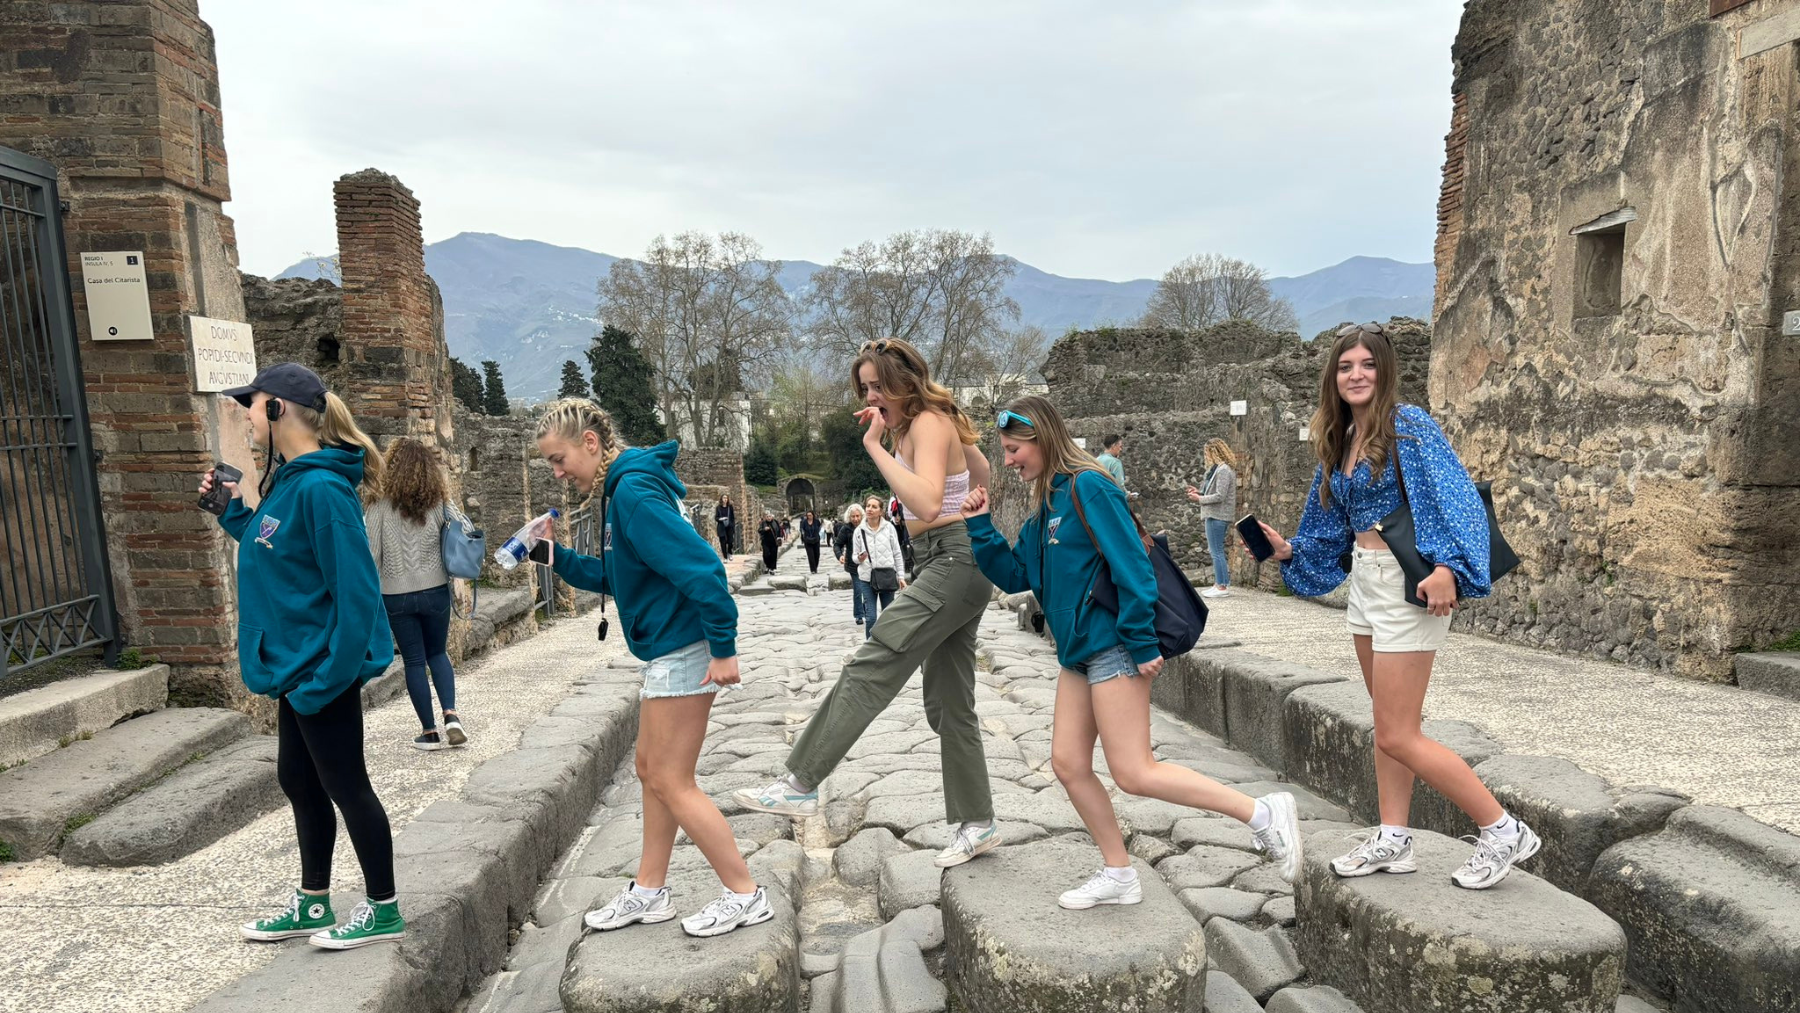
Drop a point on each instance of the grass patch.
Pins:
(6, 852)
(131, 659)
(1791, 642)
(77, 822)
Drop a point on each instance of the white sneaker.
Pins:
(727, 913)
(779, 798)
(1376, 854)
(1494, 857)
(1102, 889)
(1216, 592)
(1281, 838)
(628, 907)
(969, 842)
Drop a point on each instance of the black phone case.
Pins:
(1253, 537)
(217, 500)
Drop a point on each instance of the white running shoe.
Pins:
(1102, 889)
(1216, 592)
(779, 798)
(727, 913)
(1280, 840)
(629, 907)
(1376, 854)
(1494, 858)
(969, 842)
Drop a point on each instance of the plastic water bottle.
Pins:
(513, 551)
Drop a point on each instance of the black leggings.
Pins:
(319, 761)
(812, 556)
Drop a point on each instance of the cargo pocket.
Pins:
(912, 611)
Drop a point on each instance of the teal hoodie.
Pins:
(310, 619)
(1082, 629)
(670, 584)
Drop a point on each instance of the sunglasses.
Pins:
(875, 346)
(1008, 417)
(1368, 328)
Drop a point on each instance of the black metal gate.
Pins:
(55, 585)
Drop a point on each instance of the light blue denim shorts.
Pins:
(1108, 664)
(678, 673)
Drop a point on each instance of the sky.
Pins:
(1101, 140)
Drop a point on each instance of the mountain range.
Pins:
(529, 305)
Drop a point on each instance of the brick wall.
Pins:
(1450, 193)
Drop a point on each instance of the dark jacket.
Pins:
(809, 530)
(770, 532)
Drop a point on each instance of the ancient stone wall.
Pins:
(722, 469)
(1618, 239)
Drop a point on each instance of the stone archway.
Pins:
(801, 494)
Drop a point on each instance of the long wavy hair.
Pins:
(1219, 452)
(414, 484)
(1331, 422)
(1061, 454)
(906, 381)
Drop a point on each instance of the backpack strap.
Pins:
(1081, 514)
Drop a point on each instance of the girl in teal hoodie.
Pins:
(1108, 660)
(311, 631)
(679, 618)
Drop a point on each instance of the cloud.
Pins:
(1095, 139)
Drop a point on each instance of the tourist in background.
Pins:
(1107, 660)
(1113, 448)
(841, 544)
(875, 548)
(1376, 454)
(311, 631)
(1217, 496)
(769, 532)
(725, 525)
(679, 618)
(934, 621)
(896, 513)
(406, 535)
(811, 531)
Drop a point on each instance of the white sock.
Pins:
(795, 783)
(744, 898)
(389, 899)
(1125, 875)
(1504, 827)
(1399, 835)
(1262, 817)
(644, 891)
(976, 825)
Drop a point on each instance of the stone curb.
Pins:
(40, 720)
(185, 811)
(1776, 673)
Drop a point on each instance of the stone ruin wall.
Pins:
(1646, 446)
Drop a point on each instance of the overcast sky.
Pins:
(1103, 139)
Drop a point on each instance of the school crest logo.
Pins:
(606, 539)
(1050, 532)
(266, 531)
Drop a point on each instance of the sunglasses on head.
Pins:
(1368, 328)
(1008, 417)
(875, 346)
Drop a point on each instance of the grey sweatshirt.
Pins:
(409, 557)
(1218, 497)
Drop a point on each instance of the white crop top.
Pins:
(956, 489)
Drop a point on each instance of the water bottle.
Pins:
(514, 550)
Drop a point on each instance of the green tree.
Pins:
(465, 384)
(493, 399)
(625, 386)
(850, 464)
(573, 383)
(760, 466)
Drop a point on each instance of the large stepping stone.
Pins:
(1261, 961)
(34, 722)
(57, 793)
(1419, 944)
(1712, 908)
(884, 971)
(1010, 947)
(185, 811)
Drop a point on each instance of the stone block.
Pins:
(1212, 902)
(1256, 690)
(908, 881)
(1417, 943)
(858, 861)
(1711, 906)
(1773, 672)
(1262, 961)
(1318, 999)
(1202, 867)
(185, 811)
(1225, 995)
(839, 580)
(37, 721)
(937, 836)
(1010, 947)
(788, 582)
(1192, 687)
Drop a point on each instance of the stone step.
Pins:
(57, 793)
(1419, 944)
(1711, 906)
(1774, 672)
(884, 970)
(1010, 947)
(185, 811)
(37, 721)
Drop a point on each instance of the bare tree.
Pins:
(1208, 288)
(1006, 363)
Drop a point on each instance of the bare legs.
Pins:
(1397, 684)
(670, 730)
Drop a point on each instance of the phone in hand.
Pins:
(540, 553)
(218, 498)
(1252, 533)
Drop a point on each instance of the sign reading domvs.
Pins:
(118, 301)
(224, 355)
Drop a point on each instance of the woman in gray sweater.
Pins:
(404, 534)
(1217, 497)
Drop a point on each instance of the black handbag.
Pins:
(881, 578)
(1396, 529)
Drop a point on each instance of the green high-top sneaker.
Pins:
(306, 913)
(370, 922)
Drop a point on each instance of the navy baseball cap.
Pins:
(288, 381)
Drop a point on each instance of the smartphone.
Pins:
(218, 497)
(1254, 539)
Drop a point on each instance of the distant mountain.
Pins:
(529, 305)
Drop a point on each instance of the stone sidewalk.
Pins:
(1716, 743)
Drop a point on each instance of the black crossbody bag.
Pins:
(881, 578)
(1396, 529)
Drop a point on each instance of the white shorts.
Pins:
(1379, 609)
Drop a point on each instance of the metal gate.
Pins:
(55, 588)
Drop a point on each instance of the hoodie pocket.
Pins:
(250, 654)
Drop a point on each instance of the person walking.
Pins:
(875, 549)
(1113, 448)
(769, 531)
(841, 544)
(311, 631)
(1375, 455)
(1082, 527)
(1217, 497)
(896, 514)
(725, 525)
(680, 620)
(406, 536)
(811, 529)
(934, 621)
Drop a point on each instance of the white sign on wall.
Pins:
(118, 298)
(1240, 407)
(1305, 433)
(1081, 441)
(224, 355)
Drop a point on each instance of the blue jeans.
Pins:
(1217, 531)
(868, 597)
(1110, 663)
(421, 624)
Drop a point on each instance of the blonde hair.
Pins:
(1219, 452)
(1047, 430)
(906, 380)
(570, 417)
(337, 428)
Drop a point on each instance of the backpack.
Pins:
(1180, 614)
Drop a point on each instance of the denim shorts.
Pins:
(1108, 664)
(678, 673)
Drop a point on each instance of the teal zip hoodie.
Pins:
(669, 584)
(1082, 629)
(310, 619)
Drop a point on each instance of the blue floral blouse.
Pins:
(1449, 520)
